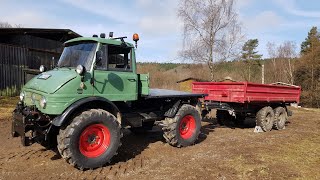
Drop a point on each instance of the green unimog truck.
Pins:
(82, 105)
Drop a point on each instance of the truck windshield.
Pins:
(77, 54)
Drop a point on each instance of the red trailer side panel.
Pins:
(244, 92)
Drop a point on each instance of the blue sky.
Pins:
(156, 22)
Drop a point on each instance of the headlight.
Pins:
(80, 69)
(42, 68)
(22, 96)
(43, 102)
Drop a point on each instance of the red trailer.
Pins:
(237, 100)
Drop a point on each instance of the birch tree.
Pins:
(211, 31)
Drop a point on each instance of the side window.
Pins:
(119, 58)
(115, 58)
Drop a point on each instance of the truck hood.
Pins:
(51, 81)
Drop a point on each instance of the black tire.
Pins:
(265, 118)
(239, 120)
(146, 126)
(71, 137)
(224, 118)
(280, 118)
(175, 131)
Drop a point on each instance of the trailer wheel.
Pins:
(265, 118)
(280, 118)
(90, 140)
(184, 129)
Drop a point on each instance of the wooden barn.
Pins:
(23, 50)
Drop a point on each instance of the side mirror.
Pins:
(98, 57)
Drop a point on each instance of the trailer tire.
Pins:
(265, 118)
(90, 140)
(184, 129)
(280, 118)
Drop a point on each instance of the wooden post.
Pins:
(262, 73)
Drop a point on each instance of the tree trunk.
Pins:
(211, 68)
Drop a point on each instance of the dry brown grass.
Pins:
(7, 105)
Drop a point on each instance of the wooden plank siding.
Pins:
(14, 60)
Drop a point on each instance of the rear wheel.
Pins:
(90, 140)
(280, 118)
(265, 118)
(184, 128)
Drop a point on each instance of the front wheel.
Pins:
(184, 129)
(90, 140)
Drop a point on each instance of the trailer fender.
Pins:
(94, 102)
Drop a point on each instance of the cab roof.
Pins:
(97, 39)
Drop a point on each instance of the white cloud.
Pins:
(29, 19)
(291, 7)
(243, 3)
(159, 25)
(113, 11)
(266, 21)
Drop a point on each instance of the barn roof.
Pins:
(53, 34)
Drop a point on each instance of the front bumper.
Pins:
(27, 122)
(20, 127)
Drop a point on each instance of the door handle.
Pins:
(132, 80)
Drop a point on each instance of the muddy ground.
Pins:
(220, 153)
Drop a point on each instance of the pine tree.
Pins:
(308, 69)
(250, 56)
(311, 41)
(248, 50)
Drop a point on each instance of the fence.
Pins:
(12, 63)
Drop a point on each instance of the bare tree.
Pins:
(287, 52)
(272, 51)
(7, 25)
(211, 31)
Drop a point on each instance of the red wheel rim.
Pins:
(187, 127)
(94, 140)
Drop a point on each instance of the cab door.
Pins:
(114, 78)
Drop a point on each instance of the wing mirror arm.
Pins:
(98, 61)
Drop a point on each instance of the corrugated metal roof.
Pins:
(54, 34)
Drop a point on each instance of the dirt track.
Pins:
(220, 153)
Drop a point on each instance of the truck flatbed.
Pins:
(164, 93)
